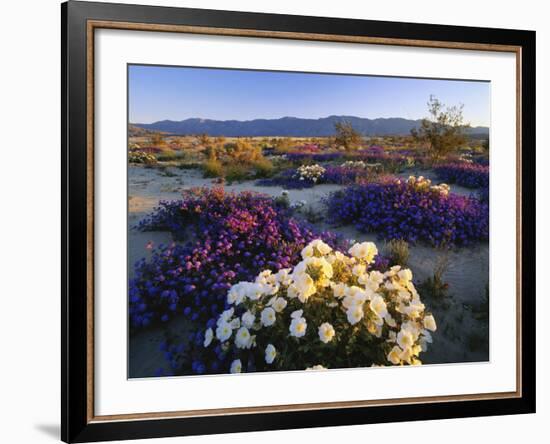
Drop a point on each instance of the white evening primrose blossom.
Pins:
(208, 336)
(405, 339)
(292, 291)
(405, 275)
(359, 270)
(242, 338)
(378, 306)
(394, 356)
(429, 323)
(296, 314)
(226, 316)
(304, 286)
(307, 252)
(255, 291)
(355, 314)
(248, 319)
(323, 248)
(224, 331)
(283, 277)
(339, 290)
(236, 366)
(326, 332)
(279, 304)
(365, 250)
(268, 316)
(298, 327)
(270, 353)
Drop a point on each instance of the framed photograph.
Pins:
(275, 221)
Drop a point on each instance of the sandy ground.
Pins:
(462, 334)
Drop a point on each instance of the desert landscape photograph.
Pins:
(288, 221)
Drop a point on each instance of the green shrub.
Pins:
(264, 168)
(435, 287)
(167, 155)
(212, 168)
(236, 172)
(398, 252)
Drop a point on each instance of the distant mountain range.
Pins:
(289, 127)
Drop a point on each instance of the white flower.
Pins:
(364, 250)
(296, 314)
(236, 366)
(339, 290)
(321, 247)
(298, 327)
(225, 316)
(378, 306)
(359, 269)
(292, 291)
(307, 252)
(208, 336)
(235, 323)
(255, 291)
(248, 319)
(305, 286)
(283, 277)
(405, 339)
(224, 331)
(326, 332)
(429, 323)
(394, 356)
(242, 338)
(270, 353)
(405, 275)
(235, 295)
(268, 316)
(355, 314)
(279, 304)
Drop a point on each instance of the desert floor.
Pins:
(463, 324)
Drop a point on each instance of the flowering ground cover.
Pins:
(330, 310)
(469, 175)
(412, 210)
(308, 176)
(231, 237)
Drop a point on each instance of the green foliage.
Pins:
(443, 130)
(236, 172)
(264, 168)
(212, 168)
(167, 155)
(435, 287)
(398, 252)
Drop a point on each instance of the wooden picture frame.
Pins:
(79, 22)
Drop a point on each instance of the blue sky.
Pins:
(177, 93)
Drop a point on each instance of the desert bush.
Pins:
(236, 172)
(263, 167)
(212, 168)
(167, 155)
(412, 210)
(398, 252)
(330, 310)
